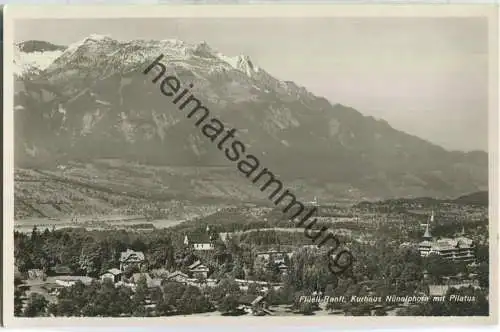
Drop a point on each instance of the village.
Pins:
(197, 275)
(271, 279)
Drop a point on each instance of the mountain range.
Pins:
(90, 100)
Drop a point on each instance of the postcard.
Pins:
(263, 164)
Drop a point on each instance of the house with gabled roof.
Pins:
(112, 274)
(201, 241)
(37, 274)
(254, 304)
(178, 276)
(273, 256)
(198, 270)
(130, 258)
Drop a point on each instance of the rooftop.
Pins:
(200, 268)
(448, 244)
(426, 243)
(438, 290)
(444, 243)
(195, 264)
(200, 238)
(177, 274)
(114, 271)
(131, 255)
(250, 299)
(84, 279)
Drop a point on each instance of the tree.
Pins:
(254, 289)
(439, 267)
(306, 308)
(229, 304)
(35, 234)
(238, 271)
(140, 296)
(309, 271)
(361, 310)
(18, 303)
(130, 270)
(193, 301)
(484, 275)
(156, 295)
(220, 253)
(285, 295)
(37, 305)
(122, 304)
(483, 253)
(172, 292)
(90, 258)
(64, 307)
(99, 299)
(161, 254)
(225, 286)
(332, 305)
(23, 252)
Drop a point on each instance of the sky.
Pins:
(425, 76)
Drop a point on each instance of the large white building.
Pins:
(201, 241)
(460, 249)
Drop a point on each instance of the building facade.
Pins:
(459, 249)
(112, 274)
(198, 270)
(201, 241)
(131, 258)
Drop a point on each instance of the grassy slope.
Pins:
(117, 187)
(112, 186)
(107, 186)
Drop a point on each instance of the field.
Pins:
(116, 194)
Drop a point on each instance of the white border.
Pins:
(13, 12)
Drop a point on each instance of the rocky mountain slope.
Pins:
(91, 100)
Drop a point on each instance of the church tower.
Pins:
(315, 204)
(425, 246)
(427, 234)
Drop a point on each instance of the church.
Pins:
(201, 241)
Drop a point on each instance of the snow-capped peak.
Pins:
(93, 38)
(173, 42)
(97, 48)
(246, 65)
(97, 37)
(241, 62)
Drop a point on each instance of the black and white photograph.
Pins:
(270, 165)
